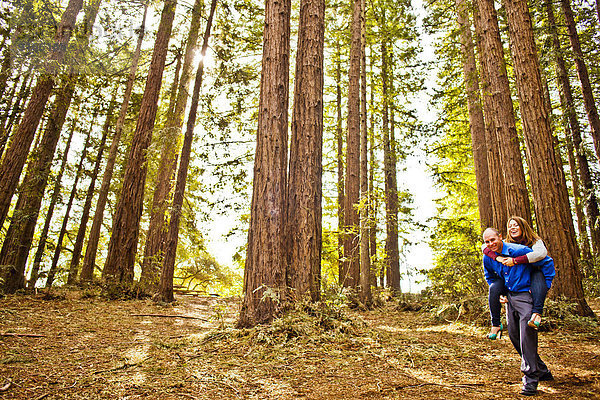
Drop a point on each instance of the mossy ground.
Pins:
(99, 349)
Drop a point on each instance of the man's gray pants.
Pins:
(523, 337)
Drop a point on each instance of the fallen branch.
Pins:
(22, 334)
(168, 316)
(458, 385)
(6, 387)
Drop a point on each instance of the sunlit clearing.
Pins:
(136, 355)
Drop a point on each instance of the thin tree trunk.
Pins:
(584, 242)
(373, 203)
(265, 272)
(63, 230)
(16, 110)
(392, 232)
(85, 215)
(517, 200)
(496, 176)
(10, 96)
(18, 239)
(306, 149)
(342, 265)
(548, 184)
(352, 186)
(16, 154)
(365, 260)
(89, 261)
(386, 148)
(153, 250)
(575, 140)
(39, 254)
(165, 292)
(582, 72)
(122, 247)
(476, 120)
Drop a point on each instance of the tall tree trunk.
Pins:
(582, 72)
(584, 242)
(517, 200)
(575, 140)
(352, 186)
(122, 247)
(372, 190)
(18, 239)
(16, 110)
(153, 250)
(496, 176)
(306, 148)
(9, 101)
(16, 154)
(39, 253)
(476, 121)
(265, 272)
(365, 259)
(548, 184)
(89, 261)
(166, 281)
(386, 148)
(342, 265)
(85, 215)
(63, 229)
(392, 232)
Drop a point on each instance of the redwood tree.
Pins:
(165, 290)
(502, 113)
(554, 220)
(476, 120)
(306, 148)
(16, 153)
(265, 271)
(122, 247)
(352, 182)
(89, 261)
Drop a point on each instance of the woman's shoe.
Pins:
(496, 334)
(535, 321)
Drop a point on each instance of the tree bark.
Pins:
(118, 270)
(153, 250)
(16, 154)
(265, 271)
(342, 265)
(476, 120)
(306, 149)
(16, 110)
(18, 239)
(511, 163)
(352, 185)
(496, 176)
(392, 249)
(166, 281)
(63, 229)
(554, 221)
(575, 140)
(582, 72)
(373, 203)
(365, 259)
(39, 254)
(89, 261)
(85, 215)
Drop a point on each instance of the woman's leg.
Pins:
(496, 289)
(538, 290)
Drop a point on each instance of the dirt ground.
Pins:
(98, 349)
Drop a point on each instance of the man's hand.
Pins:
(501, 259)
(508, 261)
(503, 299)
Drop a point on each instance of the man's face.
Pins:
(492, 240)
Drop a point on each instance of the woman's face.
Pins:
(514, 230)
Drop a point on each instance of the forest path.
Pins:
(97, 349)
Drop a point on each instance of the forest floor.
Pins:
(91, 348)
